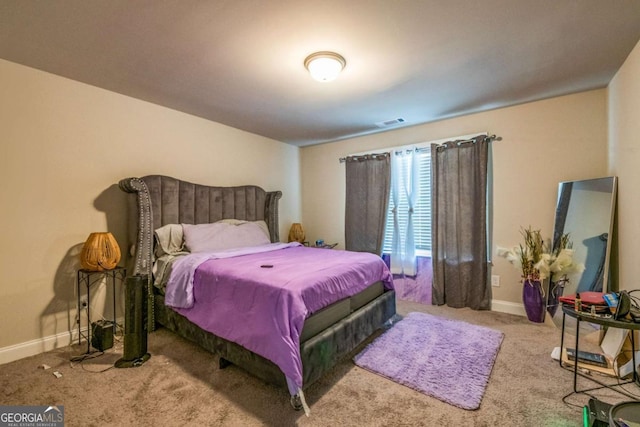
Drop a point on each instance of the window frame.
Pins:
(426, 147)
(422, 210)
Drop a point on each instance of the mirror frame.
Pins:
(563, 206)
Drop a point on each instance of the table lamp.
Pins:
(296, 233)
(100, 252)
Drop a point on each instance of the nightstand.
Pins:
(325, 246)
(88, 278)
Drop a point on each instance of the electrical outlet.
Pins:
(495, 280)
(84, 302)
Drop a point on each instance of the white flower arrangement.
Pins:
(537, 261)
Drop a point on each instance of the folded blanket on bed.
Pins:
(260, 300)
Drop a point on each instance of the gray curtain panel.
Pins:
(367, 196)
(459, 224)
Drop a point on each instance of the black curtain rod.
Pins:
(490, 138)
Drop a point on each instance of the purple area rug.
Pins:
(446, 359)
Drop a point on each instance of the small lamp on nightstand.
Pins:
(100, 252)
(296, 233)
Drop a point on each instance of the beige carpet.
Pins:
(181, 385)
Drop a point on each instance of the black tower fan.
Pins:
(135, 323)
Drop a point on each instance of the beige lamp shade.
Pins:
(296, 233)
(100, 252)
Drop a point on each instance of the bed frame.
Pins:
(158, 200)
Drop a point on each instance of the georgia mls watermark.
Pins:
(32, 416)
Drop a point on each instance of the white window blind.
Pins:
(422, 210)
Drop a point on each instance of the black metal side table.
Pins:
(603, 321)
(88, 278)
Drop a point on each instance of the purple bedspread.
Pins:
(261, 300)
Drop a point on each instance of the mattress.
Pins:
(330, 315)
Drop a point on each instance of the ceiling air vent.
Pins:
(392, 122)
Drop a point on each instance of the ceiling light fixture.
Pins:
(324, 66)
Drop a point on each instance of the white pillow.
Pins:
(261, 223)
(222, 235)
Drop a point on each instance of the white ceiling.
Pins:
(240, 62)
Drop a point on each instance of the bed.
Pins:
(327, 333)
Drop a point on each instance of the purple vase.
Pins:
(533, 301)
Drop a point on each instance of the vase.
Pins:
(533, 301)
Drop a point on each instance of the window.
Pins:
(422, 210)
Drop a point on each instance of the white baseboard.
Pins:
(37, 346)
(41, 345)
(508, 307)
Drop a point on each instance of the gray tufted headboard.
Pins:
(157, 200)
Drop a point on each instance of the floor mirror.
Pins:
(585, 210)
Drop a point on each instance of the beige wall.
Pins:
(624, 161)
(544, 142)
(65, 145)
